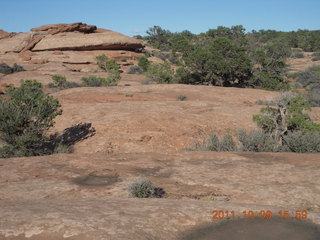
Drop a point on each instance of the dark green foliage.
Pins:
(5, 69)
(159, 38)
(135, 70)
(262, 79)
(25, 118)
(94, 81)
(235, 33)
(255, 141)
(145, 189)
(60, 82)
(307, 40)
(160, 72)
(219, 62)
(270, 67)
(144, 63)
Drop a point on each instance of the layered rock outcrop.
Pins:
(75, 36)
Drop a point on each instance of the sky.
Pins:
(136, 16)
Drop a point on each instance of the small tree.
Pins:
(289, 116)
(25, 118)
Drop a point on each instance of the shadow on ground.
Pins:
(246, 229)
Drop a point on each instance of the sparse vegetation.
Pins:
(135, 70)
(143, 63)
(109, 66)
(160, 72)
(6, 69)
(60, 82)
(182, 98)
(145, 189)
(283, 127)
(94, 81)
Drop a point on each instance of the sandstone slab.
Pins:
(81, 41)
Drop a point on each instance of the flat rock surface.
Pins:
(52, 197)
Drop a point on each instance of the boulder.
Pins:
(107, 40)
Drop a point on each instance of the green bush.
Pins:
(94, 81)
(60, 82)
(143, 63)
(5, 69)
(315, 56)
(142, 189)
(106, 64)
(25, 119)
(135, 70)
(303, 142)
(262, 79)
(161, 72)
(255, 141)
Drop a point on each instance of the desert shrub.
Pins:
(182, 98)
(142, 189)
(60, 82)
(160, 72)
(109, 66)
(143, 63)
(94, 81)
(135, 70)
(262, 79)
(213, 143)
(6, 69)
(297, 53)
(314, 97)
(309, 78)
(303, 142)
(255, 141)
(24, 120)
(101, 61)
(164, 56)
(315, 56)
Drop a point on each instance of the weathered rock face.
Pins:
(80, 41)
(15, 43)
(4, 34)
(58, 28)
(75, 36)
